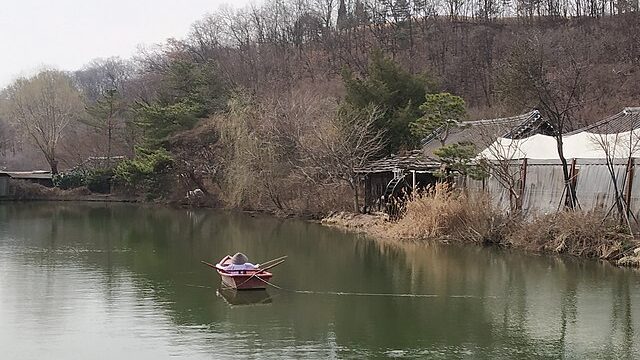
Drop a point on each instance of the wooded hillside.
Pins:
(266, 85)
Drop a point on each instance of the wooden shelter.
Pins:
(41, 177)
(393, 174)
(602, 158)
(388, 177)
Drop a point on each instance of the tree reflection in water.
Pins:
(132, 263)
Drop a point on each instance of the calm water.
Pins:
(96, 281)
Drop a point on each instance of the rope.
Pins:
(198, 286)
(347, 293)
(343, 293)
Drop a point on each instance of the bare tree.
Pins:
(534, 78)
(325, 9)
(501, 161)
(42, 107)
(342, 146)
(101, 76)
(106, 116)
(619, 146)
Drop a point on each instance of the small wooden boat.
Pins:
(242, 280)
(245, 279)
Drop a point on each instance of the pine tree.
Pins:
(394, 91)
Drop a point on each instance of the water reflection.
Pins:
(243, 298)
(85, 276)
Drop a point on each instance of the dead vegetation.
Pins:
(450, 215)
(444, 213)
(578, 233)
(25, 190)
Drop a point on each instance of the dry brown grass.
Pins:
(25, 190)
(577, 233)
(447, 214)
(442, 212)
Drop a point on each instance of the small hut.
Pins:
(388, 177)
(41, 177)
(394, 174)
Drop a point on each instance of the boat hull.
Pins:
(246, 281)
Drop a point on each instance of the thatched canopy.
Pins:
(414, 160)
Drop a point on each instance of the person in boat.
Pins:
(240, 264)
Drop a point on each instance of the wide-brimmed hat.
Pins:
(239, 259)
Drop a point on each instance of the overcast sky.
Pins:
(67, 34)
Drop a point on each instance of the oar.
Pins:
(213, 266)
(272, 261)
(255, 274)
(269, 267)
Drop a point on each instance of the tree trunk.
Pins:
(109, 144)
(569, 188)
(53, 163)
(356, 199)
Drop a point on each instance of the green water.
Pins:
(99, 281)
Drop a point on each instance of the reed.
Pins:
(579, 233)
(443, 212)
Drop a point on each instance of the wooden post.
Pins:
(413, 173)
(484, 183)
(367, 193)
(627, 196)
(523, 176)
(573, 178)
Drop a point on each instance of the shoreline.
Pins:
(376, 226)
(72, 199)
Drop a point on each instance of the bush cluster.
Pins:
(146, 172)
(445, 213)
(98, 180)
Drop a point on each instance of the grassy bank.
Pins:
(27, 191)
(453, 216)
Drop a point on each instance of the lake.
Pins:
(123, 281)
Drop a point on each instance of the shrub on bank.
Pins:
(98, 180)
(146, 173)
(26, 190)
(580, 233)
(69, 180)
(443, 212)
